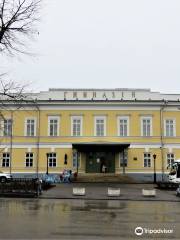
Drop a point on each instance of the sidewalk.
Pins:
(131, 192)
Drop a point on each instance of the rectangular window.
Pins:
(30, 127)
(169, 128)
(6, 160)
(146, 127)
(123, 161)
(123, 125)
(29, 159)
(76, 158)
(147, 160)
(52, 159)
(53, 126)
(100, 126)
(170, 158)
(76, 127)
(7, 127)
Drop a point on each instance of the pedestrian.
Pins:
(104, 168)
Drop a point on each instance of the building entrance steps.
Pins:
(104, 177)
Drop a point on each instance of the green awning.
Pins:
(100, 147)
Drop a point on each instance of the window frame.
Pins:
(26, 158)
(26, 127)
(52, 157)
(125, 158)
(174, 127)
(151, 126)
(58, 127)
(145, 158)
(119, 128)
(170, 160)
(104, 125)
(11, 126)
(78, 154)
(72, 125)
(6, 158)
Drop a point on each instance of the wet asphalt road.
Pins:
(86, 219)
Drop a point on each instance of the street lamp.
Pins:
(47, 166)
(154, 156)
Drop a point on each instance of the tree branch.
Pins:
(17, 16)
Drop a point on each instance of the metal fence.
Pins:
(21, 187)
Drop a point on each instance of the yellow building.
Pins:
(121, 131)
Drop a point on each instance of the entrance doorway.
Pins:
(96, 160)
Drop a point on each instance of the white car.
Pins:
(4, 177)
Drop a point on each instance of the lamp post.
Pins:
(47, 167)
(154, 156)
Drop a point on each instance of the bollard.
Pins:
(79, 191)
(149, 193)
(114, 192)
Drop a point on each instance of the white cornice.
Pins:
(69, 145)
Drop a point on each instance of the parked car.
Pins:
(4, 177)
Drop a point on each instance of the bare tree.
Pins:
(17, 23)
(13, 92)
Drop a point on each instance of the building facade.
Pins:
(129, 131)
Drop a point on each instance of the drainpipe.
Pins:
(38, 139)
(161, 139)
(11, 143)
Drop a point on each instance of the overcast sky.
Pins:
(103, 44)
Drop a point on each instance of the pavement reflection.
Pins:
(86, 219)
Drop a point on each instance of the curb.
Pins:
(114, 199)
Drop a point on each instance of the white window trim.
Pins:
(167, 156)
(25, 126)
(120, 160)
(81, 126)
(95, 129)
(11, 127)
(58, 123)
(152, 162)
(8, 158)
(118, 125)
(33, 160)
(174, 127)
(151, 127)
(56, 160)
(79, 162)
(2, 127)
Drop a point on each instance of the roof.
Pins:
(116, 94)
